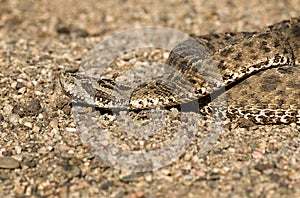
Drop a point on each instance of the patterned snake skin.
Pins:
(260, 71)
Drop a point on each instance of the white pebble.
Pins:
(71, 130)
(28, 124)
(18, 149)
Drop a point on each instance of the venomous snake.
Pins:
(259, 70)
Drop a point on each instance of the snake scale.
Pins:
(260, 71)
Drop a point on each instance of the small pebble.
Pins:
(18, 149)
(28, 124)
(9, 163)
(70, 130)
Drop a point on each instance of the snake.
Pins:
(258, 70)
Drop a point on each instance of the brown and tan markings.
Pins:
(260, 71)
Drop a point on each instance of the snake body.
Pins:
(264, 62)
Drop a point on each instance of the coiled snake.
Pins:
(260, 71)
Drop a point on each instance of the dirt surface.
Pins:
(41, 153)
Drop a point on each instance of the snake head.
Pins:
(101, 93)
(73, 86)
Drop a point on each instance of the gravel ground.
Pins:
(41, 153)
